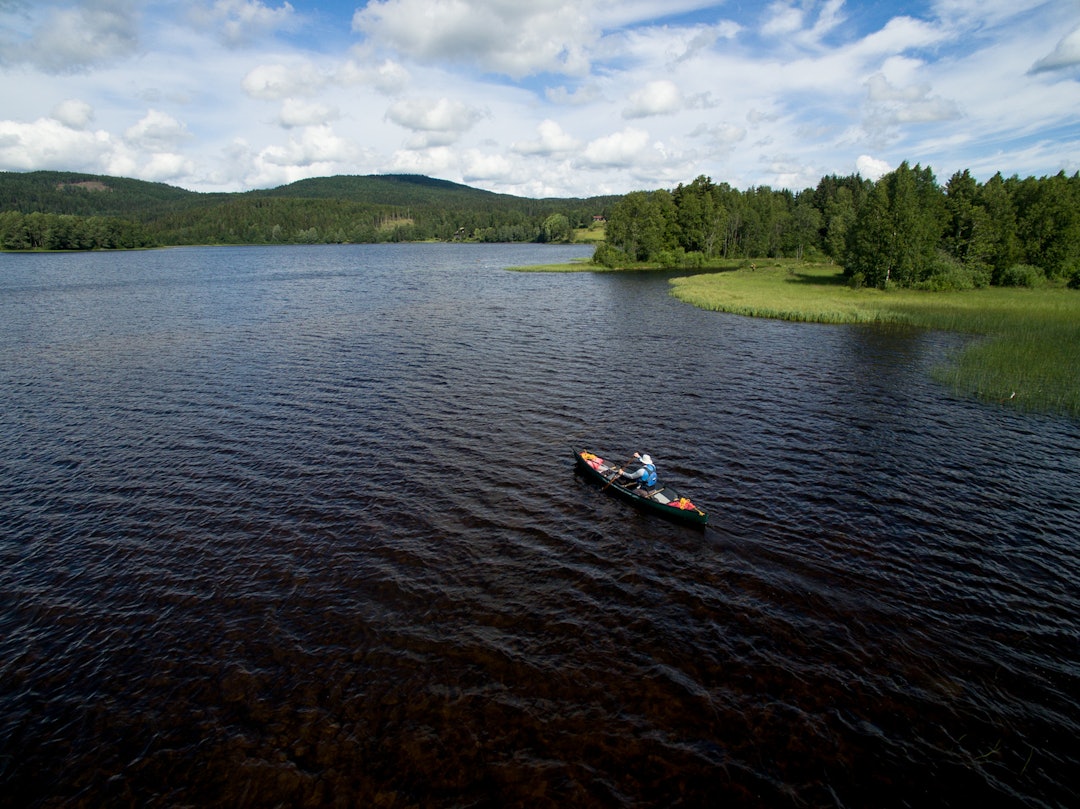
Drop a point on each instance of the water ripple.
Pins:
(300, 526)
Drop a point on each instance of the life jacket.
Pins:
(649, 479)
(683, 503)
(595, 461)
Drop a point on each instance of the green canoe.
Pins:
(662, 500)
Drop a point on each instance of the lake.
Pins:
(301, 526)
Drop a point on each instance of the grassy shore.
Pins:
(1029, 357)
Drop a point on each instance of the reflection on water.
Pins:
(301, 526)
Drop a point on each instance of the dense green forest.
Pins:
(49, 210)
(903, 230)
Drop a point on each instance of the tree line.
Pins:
(290, 221)
(903, 230)
(51, 231)
(281, 220)
(64, 211)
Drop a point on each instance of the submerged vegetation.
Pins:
(1027, 356)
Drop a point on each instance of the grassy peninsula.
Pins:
(1027, 351)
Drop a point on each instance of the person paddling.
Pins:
(645, 474)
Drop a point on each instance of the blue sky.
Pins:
(544, 98)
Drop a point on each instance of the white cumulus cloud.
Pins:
(165, 166)
(295, 112)
(49, 144)
(659, 97)
(314, 145)
(892, 104)
(552, 141)
(156, 130)
(619, 149)
(516, 39)
(437, 122)
(73, 113)
(480, 167)
(872, 168)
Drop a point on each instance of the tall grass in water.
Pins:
(576, 265)
(1029, 355)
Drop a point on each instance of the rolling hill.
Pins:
(343, 208)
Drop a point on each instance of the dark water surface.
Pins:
(300, 526)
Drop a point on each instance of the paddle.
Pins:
(619, 472)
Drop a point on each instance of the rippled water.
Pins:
(300, 526)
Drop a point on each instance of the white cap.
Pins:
(646, 459)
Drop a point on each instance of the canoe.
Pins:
(663, 500)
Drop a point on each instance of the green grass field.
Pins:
(1029, 356)
(593, 234)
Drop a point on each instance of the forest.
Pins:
(65, 211)
(903, 230)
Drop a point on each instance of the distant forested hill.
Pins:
(385, 189)
(63, 192)
(66, 210)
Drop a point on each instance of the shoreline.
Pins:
(1022, 354)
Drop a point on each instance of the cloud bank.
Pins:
(547, 98)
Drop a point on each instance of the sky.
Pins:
(539, 98)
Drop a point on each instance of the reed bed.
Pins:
(1029, 356)
(577, 265)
